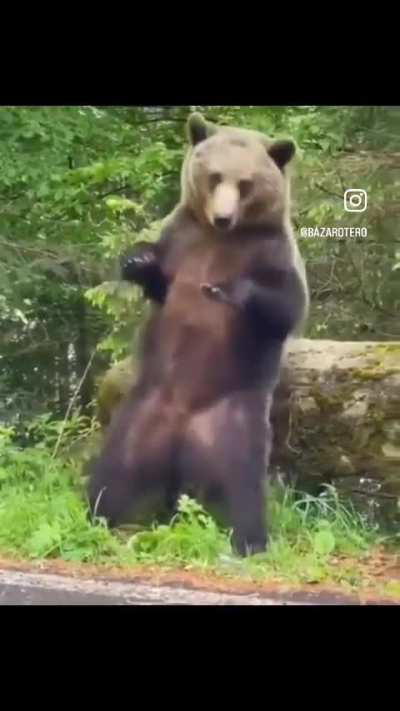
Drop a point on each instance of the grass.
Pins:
(43, 514)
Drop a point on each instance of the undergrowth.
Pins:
(43, 514)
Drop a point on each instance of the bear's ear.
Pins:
(199, 129)
(282, 152)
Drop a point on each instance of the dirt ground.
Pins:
(380, 574)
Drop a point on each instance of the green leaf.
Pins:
(4, 473)
(43, 540)
(76, 554)
(324, 542)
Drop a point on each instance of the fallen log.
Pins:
(336, 411)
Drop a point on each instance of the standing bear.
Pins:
(228, 287)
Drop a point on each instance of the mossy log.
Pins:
(336, 412)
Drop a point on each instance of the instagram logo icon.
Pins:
(355, 200)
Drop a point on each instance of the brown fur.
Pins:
(198, 418)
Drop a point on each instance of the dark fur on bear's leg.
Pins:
(101, 506)
(135, 472)
(248, 518)
(226, 447)
(171, 496)
(246, 501)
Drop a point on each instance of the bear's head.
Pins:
(234, 177)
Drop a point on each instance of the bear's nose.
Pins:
(222, 223)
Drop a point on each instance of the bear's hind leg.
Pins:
(227, 446)
(143, 493)
(135, 475)
(247, 510)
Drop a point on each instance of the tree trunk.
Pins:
(336, 412)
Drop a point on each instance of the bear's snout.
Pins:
(222, 223)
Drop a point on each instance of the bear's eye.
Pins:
(245, 187)
(214, 180)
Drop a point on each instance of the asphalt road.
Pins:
(17, 588)
(20, 588)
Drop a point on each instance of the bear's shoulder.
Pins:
(182, 227)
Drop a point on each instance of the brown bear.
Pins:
(229, 288)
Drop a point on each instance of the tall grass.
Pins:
(44, 514)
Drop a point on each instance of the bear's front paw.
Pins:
(133, 265)
(236, 293)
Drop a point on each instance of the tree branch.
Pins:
(329, 192)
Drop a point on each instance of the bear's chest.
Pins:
(187, 314)
(213, 263)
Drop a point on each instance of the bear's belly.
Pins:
(199, 355)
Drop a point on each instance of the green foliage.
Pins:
(306, 532)
(192, 538)
(80, 185)
(44, 514)
(77, 184)
(45, 432)
(41, 510)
